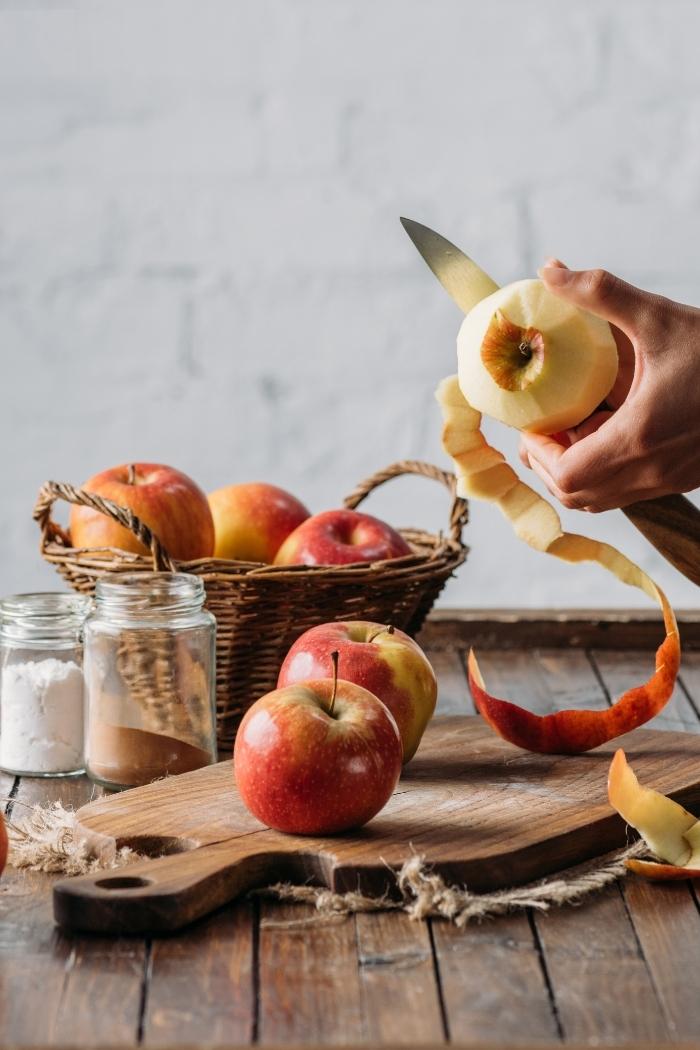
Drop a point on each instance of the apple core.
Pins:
(512, 355)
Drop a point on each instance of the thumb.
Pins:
(600, 293)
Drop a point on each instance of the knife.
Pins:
(669, 523)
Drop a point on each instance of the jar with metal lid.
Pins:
(41, 684)
(150, 678)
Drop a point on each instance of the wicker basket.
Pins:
(261, 609)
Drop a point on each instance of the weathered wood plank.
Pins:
(201, 988)
(454, 697)
(55, 988)
(493, 985)
(100, 1002)
(8, 788)
(665, 917)
(667, 922)
(33, 960)
(542, 680)
(619, 670)
(401, 1002)
(690, 676)
(553, 628)
(73, 792)
(33, 954)
(582, 956)
(309, 980)
(600, 980)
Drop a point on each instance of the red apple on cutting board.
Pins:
(379, 658)
(341, 537)
(252, 520)
(169, 502)
(311, 763)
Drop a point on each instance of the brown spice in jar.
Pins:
(129, 757)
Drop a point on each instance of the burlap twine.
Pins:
(47, 840)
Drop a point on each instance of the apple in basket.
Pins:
(3, 844)
(317, 757)
(379, 658)
(169, 502)
(341, 537)
(252, 520)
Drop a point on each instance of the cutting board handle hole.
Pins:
(123, 882)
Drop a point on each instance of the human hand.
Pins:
(645, 441)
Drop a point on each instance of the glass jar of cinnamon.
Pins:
(149, 668)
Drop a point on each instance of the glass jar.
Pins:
(150, 679)
(41, 684)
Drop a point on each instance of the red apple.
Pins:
(3, 844)
(382, 659)
(340, 537)
(170, 503)
(251, 521)
(309, 765)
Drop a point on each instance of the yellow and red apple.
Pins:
(317, 757)
(251, 521)
(381, 659)
(341, 537)
(168, 501)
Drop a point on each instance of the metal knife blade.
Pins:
(670, 523)
(462, 279)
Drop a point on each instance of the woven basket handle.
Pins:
(50, 491)
(459, 511)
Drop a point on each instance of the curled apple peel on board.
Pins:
(670, 831)
(483, 473)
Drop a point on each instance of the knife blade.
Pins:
(464, 281)
(670, 523)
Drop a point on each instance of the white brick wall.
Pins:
(200, 255)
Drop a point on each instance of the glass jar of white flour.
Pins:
(41, 684)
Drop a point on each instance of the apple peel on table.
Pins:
(504, 365)
(669, 830)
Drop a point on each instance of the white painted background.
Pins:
(200, 255)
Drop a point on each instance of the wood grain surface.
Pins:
(253, 972)
(481, 812)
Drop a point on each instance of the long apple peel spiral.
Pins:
(483, 473)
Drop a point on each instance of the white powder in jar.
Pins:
(41, 716)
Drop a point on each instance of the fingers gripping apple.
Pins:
(482, 472)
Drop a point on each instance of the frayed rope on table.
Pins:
(47, 840)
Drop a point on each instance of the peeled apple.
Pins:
(538, 364)
(534, 361)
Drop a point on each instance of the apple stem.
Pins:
(389, 629)
(334, 658)
(131, 476)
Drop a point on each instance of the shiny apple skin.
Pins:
(4, 845)
(252, 520)
(168, 501)
(388, 663)
(305, 772)
(341, 537)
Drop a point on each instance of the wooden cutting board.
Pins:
(481, 812)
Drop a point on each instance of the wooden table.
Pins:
(622, 969)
